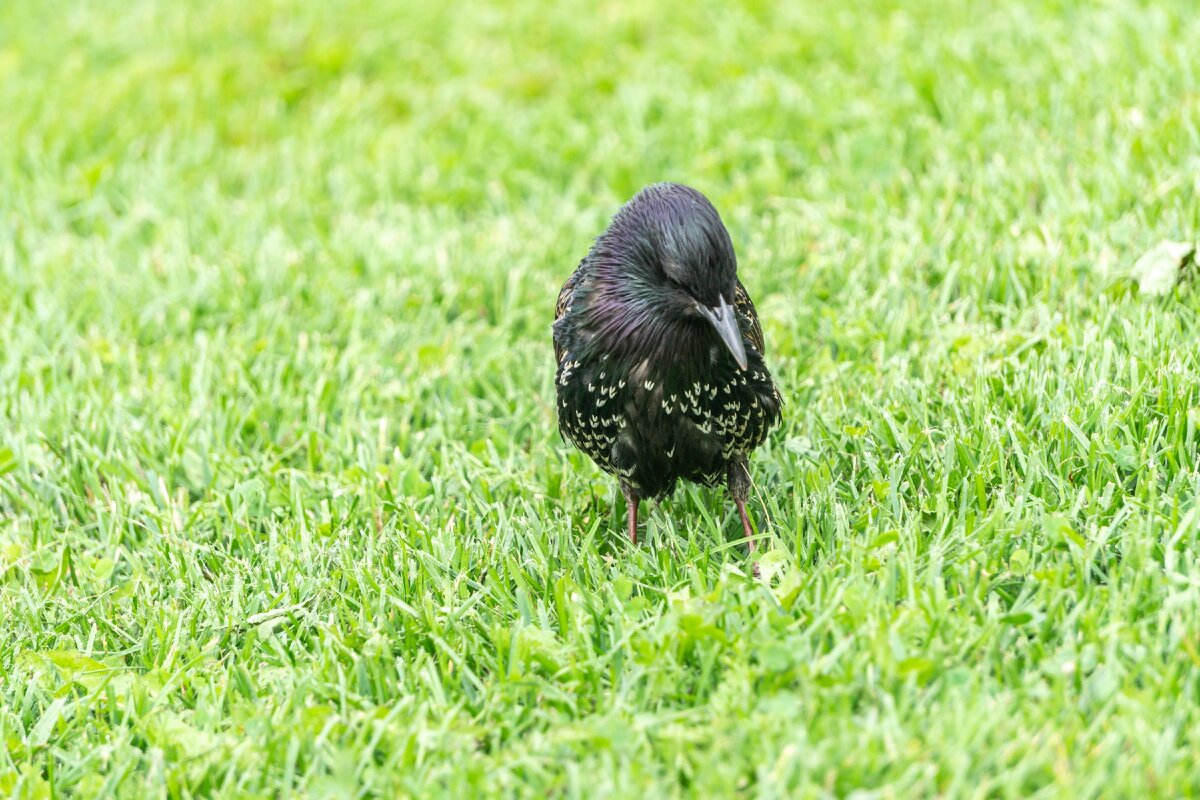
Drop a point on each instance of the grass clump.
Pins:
(283, 509)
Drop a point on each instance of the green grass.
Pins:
(283, 507)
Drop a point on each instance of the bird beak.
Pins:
(724, 319)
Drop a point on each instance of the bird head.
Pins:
(668, 255)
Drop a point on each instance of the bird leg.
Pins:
(631, 509)
(751, 544)
(739, 489)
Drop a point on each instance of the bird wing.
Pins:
(564, 302)
(747, 318)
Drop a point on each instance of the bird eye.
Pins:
(674, 271)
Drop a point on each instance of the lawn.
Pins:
(283, 505)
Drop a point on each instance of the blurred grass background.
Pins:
(283, 508)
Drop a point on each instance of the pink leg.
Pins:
(739, 490)
(631, 510)
(751, 543)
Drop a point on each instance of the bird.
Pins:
(660, 354)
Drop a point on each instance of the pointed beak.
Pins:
(724, 319)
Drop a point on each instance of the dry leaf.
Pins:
(1159, 269)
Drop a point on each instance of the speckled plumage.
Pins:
(647, 386)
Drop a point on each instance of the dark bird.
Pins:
(660, 353)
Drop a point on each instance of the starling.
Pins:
(660, 353)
